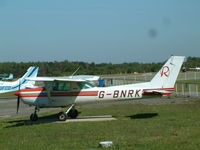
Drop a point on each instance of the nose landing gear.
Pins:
(34, 116)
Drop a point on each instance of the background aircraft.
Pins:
(66, 92)
(195, 69)
(9, 78)
(21, 83)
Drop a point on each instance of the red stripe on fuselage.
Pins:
(151, 94)
(43, 93)
(33, 90)
(167, 91)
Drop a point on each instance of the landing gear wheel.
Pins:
(60, 113)
(62, 116)
(34, 117)
(73, 113)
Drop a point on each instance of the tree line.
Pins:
(65, 68)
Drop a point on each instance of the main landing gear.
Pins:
(70, 113)
(62, 116)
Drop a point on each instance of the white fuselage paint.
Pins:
(44, 98)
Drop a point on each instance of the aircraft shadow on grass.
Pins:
(54, 118)
(25, 122)
(143, 116)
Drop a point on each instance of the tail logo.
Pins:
(165, 71)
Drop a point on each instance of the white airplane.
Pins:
(21, 83)
(68, 91)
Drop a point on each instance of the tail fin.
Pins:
(31, 72)
(168, 74)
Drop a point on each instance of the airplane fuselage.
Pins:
(41, 97)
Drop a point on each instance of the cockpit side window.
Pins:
(62, 86)
(71, 86)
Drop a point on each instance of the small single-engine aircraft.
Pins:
(68, 91)
(21, 83)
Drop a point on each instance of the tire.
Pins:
(73, 113)
(59, 113)
(33, 117)
(62, 116)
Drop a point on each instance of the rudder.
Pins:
(168, 74)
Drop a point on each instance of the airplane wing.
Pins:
(77, 78)
(85, 77)
(40, 79)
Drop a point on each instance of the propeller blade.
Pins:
(18, 101)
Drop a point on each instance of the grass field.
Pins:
(9, 94)
(138, 127)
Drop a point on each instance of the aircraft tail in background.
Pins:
(21, 83)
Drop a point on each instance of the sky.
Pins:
(99, 31)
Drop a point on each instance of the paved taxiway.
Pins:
(8, 105)
(8, 108)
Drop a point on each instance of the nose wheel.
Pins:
(34, 116)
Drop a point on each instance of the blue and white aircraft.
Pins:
(21, 83)
(9, 78)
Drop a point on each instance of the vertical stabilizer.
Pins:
(168, 74)
(31, 72)
(21, 83)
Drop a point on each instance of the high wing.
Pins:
(77, 78)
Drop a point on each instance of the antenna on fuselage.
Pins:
(75, 71)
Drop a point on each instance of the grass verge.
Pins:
(9, 94)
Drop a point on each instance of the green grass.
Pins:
(9, 94)
(138, 127)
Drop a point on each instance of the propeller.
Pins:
(18, 97)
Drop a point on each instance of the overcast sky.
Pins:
(98, 31)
